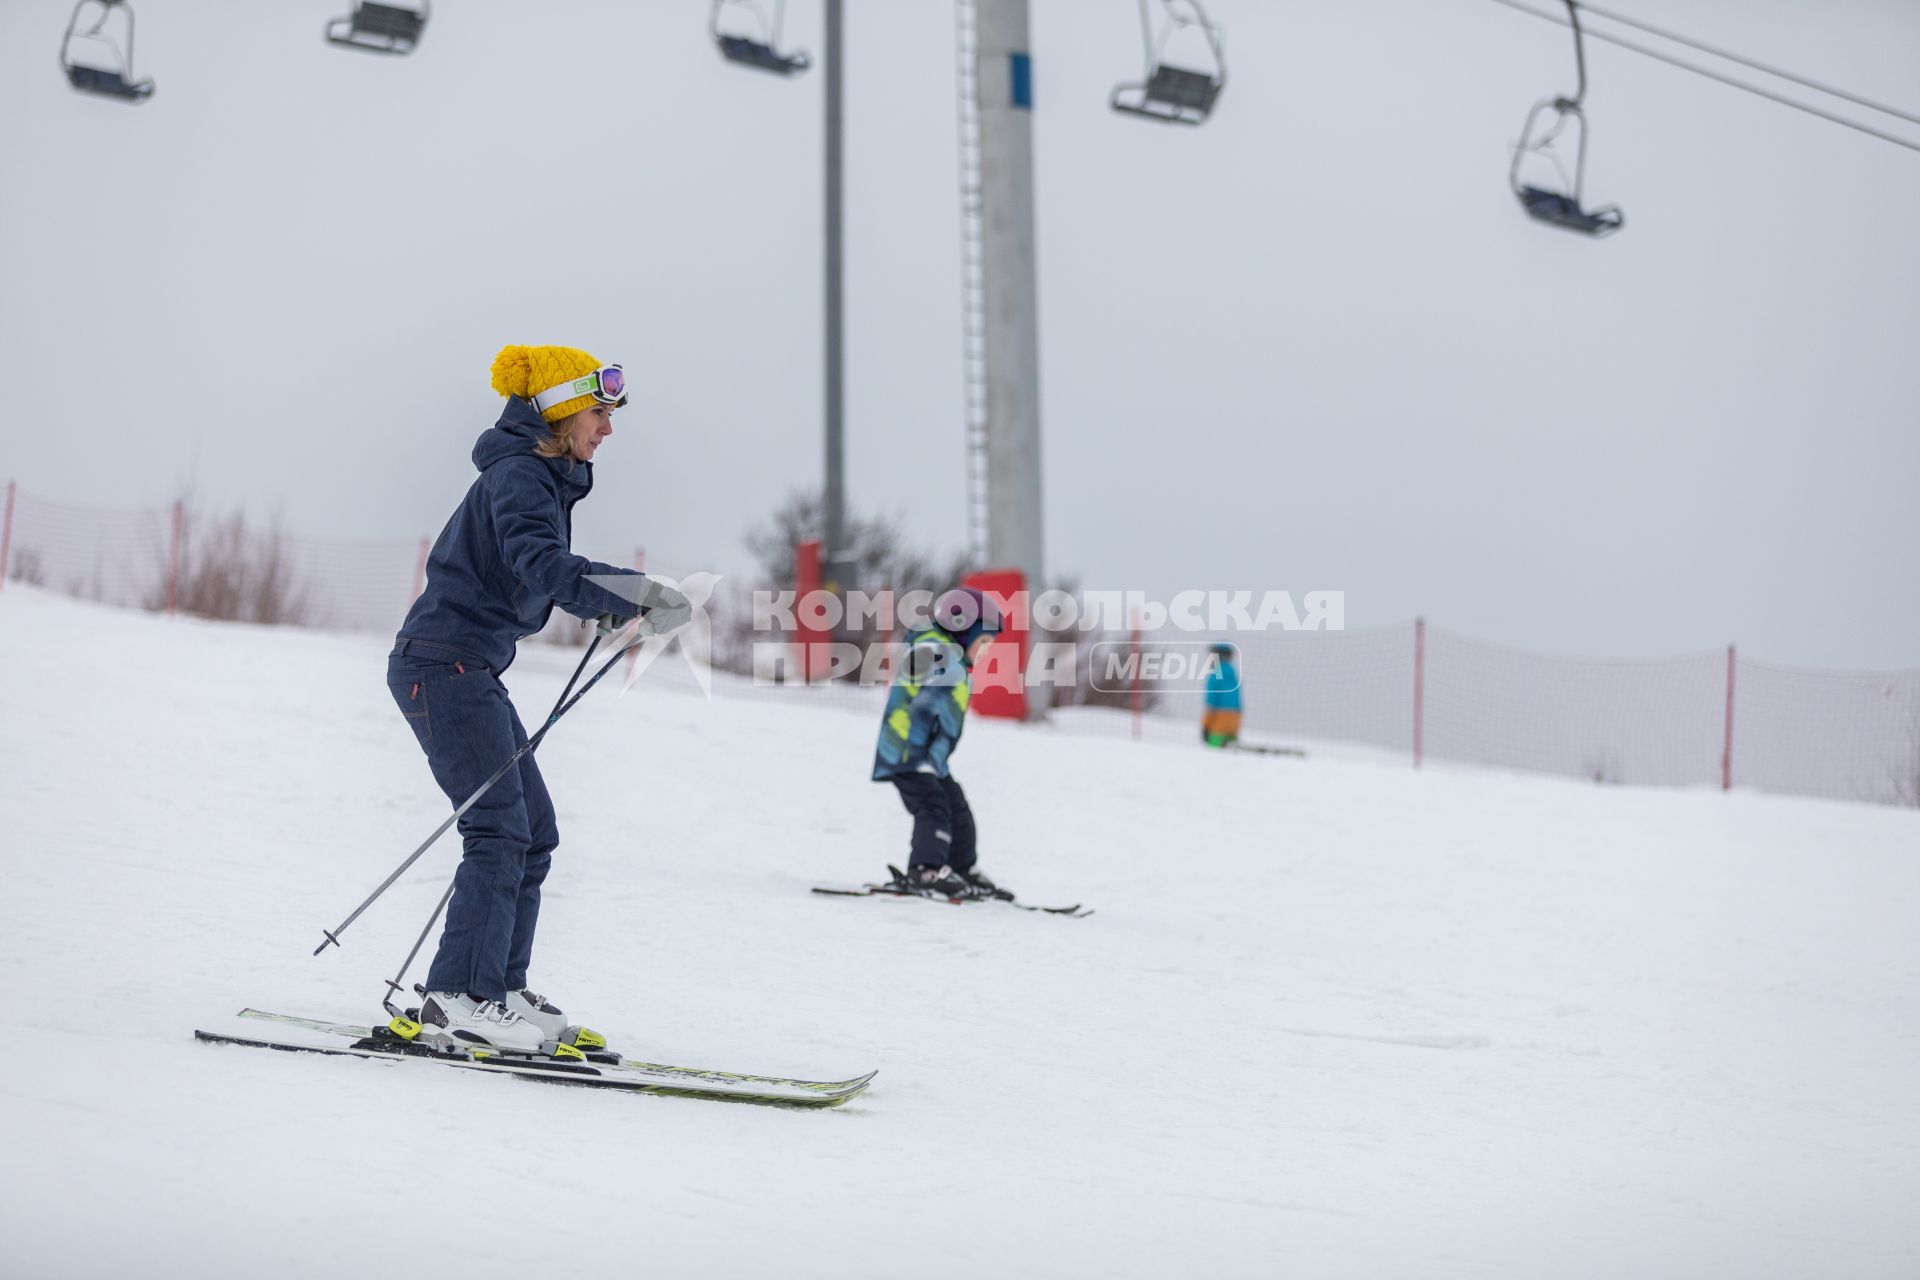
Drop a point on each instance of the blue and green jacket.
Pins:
(926, 707)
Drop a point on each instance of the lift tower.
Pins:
(1001, 320)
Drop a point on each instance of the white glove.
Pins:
(662, 609)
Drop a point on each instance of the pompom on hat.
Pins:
(527, 371)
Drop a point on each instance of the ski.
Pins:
(601, 1069)
(554, 1072)
(1256, 749)
(1074, 912)
(607, 1057)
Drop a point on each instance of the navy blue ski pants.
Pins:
(942, 821)
(460, 714)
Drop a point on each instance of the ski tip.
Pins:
(853, 1089)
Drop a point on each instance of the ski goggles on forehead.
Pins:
(607, 384)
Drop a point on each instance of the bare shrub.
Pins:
(876, 558)
(1083, 692)
(1604, 768)
(26, 566)
(876, 555)
(235, 574)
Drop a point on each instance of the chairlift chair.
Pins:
(107, 82)
(380, 28)
(1171, 94)
(1562, 208)
(762, 54)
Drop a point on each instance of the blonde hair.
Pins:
(559, 441)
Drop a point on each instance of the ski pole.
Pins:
(397, 984)
(332, 935)
(394, 986)
(560, 708)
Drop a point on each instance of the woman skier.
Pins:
(500, 565)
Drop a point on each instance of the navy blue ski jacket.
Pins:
(505, 558)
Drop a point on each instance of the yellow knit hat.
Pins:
(527, 371)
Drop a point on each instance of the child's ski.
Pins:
(1074, 912)
(1260, 749)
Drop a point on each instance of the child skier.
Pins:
(926, 709)
(500, 565)
(1220, 722)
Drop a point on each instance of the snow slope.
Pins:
(1332, 1019)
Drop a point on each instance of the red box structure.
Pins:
(811, 641)
(999, 686)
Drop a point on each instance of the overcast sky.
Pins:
(1312, 345)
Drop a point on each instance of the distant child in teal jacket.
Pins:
(1220, 722)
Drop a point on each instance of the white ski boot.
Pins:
(539, 1012)
(456, 1018)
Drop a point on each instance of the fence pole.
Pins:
(173, 559)
(420, 570)
(1419, 686)
(1726, 750)
(6, 536)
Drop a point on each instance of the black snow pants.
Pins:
(942, 822)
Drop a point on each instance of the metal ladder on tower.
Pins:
(973, 283)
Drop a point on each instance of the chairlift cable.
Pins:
(1784, 101)
(1777, 72)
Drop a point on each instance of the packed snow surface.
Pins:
(1333, 1017)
